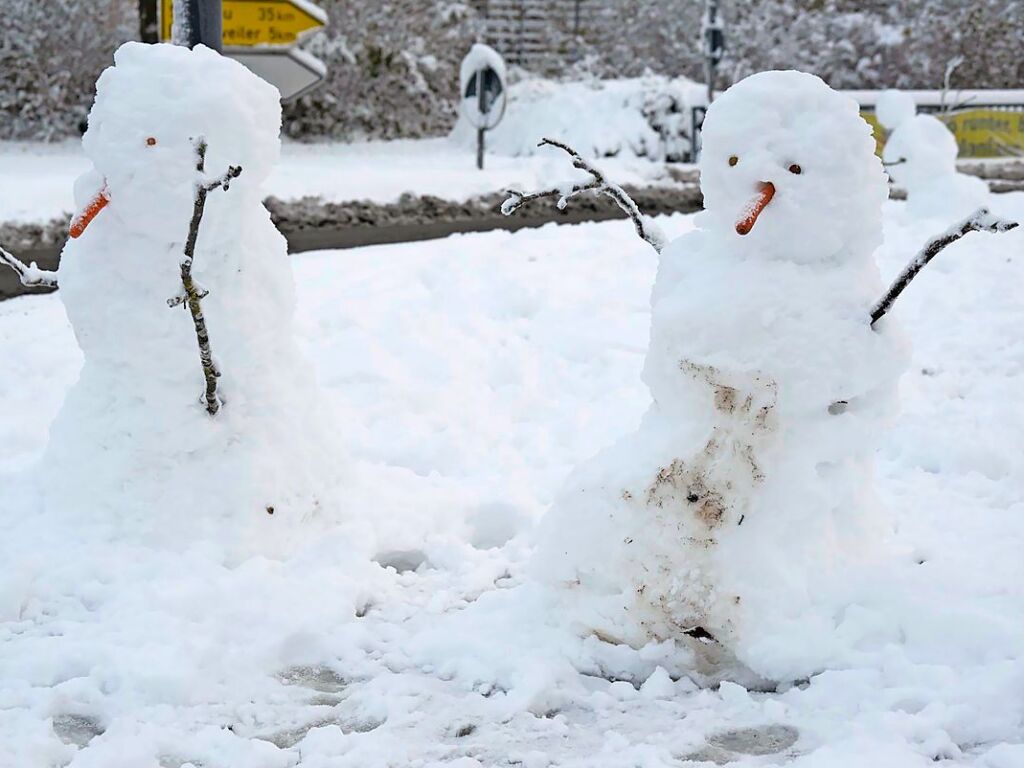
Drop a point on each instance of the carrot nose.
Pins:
(750, 212)
(83, 219)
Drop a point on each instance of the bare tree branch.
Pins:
(979, 221)
(648, 231)
(193, 293)
(30, 275)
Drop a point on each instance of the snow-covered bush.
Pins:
(393, 66)
(392, 70)
(50, 55)
(646, 117)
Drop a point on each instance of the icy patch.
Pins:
(322, 679)
(403, 561)
(77, 729)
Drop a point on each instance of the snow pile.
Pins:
(133, 436)
(746, 496)
(496, 374)
(644, 117)
(920, 155)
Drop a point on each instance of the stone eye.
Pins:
(151, 142)
(794, 168)
(733, 160)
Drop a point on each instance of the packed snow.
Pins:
(420, 590)
(484, 367)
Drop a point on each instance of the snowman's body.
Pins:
(748, 485)
(133, 435)
(920, 155)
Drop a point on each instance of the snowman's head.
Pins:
(894, 108)
(788, 171)
(920, 151)
(150, 109)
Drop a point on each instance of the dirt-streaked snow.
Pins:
(484, 367)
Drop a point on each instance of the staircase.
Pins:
(533, 34)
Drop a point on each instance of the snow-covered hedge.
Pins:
(393, 70)
(50, 56)
(392, 67)
(646, 116)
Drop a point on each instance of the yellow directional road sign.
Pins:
(258, 22)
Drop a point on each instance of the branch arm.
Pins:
(30, 275)
(192, 294)
(979, 221)
(648, 231)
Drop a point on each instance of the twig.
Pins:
(30, 275)
(648, 231)
(194, 293)
(979, 221)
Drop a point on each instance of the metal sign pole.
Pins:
(202, 23)
(482, 106)
(712, 44)
(149, 26)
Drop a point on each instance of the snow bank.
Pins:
(644, 117)
(493, 363)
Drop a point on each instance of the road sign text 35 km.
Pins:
(258, 22)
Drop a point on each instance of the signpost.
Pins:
(713, 39)
(714, 44)
(483, 92)
(249, 23)
(263, 35)
(293, 71)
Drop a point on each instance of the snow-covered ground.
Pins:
(480, 369)
(38, 178)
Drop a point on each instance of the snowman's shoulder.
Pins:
(697, 251)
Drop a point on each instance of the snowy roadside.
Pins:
(473, 372)
(38, 178)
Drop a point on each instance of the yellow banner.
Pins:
(984, 132)
(257, 22)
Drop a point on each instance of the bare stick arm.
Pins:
(192, 293)
(30, 275)
(645, 228)
(979, 221)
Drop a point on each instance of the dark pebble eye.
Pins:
(151, 142)
(794, 168)
(733, 160)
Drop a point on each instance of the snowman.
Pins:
(731, 520)
(920, 155)
(135, 440)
